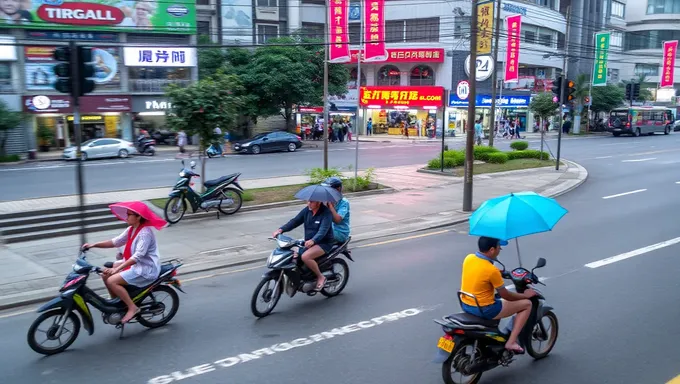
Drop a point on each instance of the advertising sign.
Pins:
(670, 48)
(150, 104)
(237, 21)
(485, 67)
(485, 101)
(159, 57)
(484, 26)
(105, 103)
(463, 90)
(47, 104)
(374, 36)
(61, 35)
(409, 55)
(401, 96)
(338, 26)
(512, 51)
(601, 53)
(40, 67)
(150, 16)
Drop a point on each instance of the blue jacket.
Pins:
(317, 227)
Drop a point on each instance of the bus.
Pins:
(638, 121)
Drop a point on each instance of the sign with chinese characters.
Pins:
(409, 55)
(463, 90)
(150, 16)
(339, 38)
(105, 103)
(484, 27)
(418, 97)
(374, 36)
(39, 72)
(670, 48)
(160, 57)
(512, 51)
(519, 101)
(47, 104)
(601, 54)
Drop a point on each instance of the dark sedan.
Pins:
(269, 142)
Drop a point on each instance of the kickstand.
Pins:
(122, 329)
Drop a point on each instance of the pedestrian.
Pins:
(181, 140)
(369, 127)
(349, 131)
(479, 131)
(566, 126)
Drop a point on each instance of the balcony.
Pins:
(155, 85)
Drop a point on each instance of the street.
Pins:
(611, 275)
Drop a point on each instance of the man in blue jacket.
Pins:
(339, 210)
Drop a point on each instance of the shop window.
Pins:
(6, 84)
(353, 79)
(422, 75)
(156, 79)
(389, 75)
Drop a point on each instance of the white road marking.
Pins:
(677, 182)
(637, 252)
(604, 157)
(624, 194)
(282, 347)
(638, 160)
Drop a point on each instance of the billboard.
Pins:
(237, 22)
(144, 16)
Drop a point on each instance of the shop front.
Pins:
(509, 107)
(149, 112)
(402, 110)
(309, 117)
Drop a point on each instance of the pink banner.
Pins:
(339, 38)
(670, 48)
(374, 36)
(512, 51)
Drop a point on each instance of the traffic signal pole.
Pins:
(75, 90)
(564, 88)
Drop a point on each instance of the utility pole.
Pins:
(590, 88)
(325, 87)
(358, 118)
(492, 116)
(564, 87)
(79, 137)
(470, 138)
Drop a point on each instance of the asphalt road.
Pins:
(612, 276)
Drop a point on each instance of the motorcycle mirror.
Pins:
(182, 162)
(502, 265)
(540, 263)
(193, 164)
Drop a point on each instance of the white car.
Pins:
(101, 148)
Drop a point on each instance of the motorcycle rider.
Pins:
(481, 278)
(318, 221)
(339, 210)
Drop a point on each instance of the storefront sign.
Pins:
(105, 103)
(484, 26)
(374, 36)
(485, 67)
(150, 104)
(463, 90)
(150, 16)
(58, 35)
(159, 57)
(409, 55)
(512, 8)
(485, 101)
(47, 104)
(7, 52)
(512, 51)
(310, 109)
(40, 67)
(670, 48)
(339, 37)
(601, 53)
(401, 96)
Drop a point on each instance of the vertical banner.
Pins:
(512, 51)
(670, 48)
(339, 38)
(374, 35)
(601, 57)
(484, 26)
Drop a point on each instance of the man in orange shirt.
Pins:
(483, 280)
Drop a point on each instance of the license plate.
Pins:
(445, 344)
(177, 282)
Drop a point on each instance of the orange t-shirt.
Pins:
(480, 278)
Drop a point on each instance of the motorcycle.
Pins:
(213, 151)
(146, 146)
(223, 193)
(75, 296)
(288, 272)
(472, 345)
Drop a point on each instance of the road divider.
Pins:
(636, 252)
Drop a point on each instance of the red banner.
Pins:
(374, 36)
(402, 96)
(339, 38)
(512, 51)
(670, 48)
(409, 55)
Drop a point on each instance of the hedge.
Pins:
(482, 152)
(497, 158)
(449, 162)
(527, 154)
(519, 145)
(9, 158)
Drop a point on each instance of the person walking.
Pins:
(369, 127)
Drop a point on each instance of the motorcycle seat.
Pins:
(467, 320)
(214, 182)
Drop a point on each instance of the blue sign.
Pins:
(355, 11)
(512, 8)
(58, 35)
(485, 101)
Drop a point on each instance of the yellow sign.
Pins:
(484, 27)
(86, 118)
(111, 126)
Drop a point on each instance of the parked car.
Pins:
(101, 148)
(269, 142)
(164, 137)
(676, 126)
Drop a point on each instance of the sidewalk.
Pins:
(32, 271)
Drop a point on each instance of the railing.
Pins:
(155, 85)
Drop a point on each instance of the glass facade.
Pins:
(649, 39)
(656, 7)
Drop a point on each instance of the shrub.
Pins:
(482, 152)
(318, 175)
(519, 145)
(497, 158)
(9, 158)
(449, 162)
(362, 182)
(535, 154)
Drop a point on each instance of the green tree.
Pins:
(581, 89)
(543, 106)
(606, 98)
(8, 121)
(210, 60)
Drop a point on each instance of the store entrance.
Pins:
(95, 127)
(519, 116)
(406, 122)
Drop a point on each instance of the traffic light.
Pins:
(80, 84)
(63, 69)
(586, 100)
(570, 90)
(629, 90)
(85, 70)
(557, 88)
(636, 91)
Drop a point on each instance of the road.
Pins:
(612, 276)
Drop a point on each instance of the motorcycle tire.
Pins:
(173, 308)
(556, 327)
(446, 366)
(238, 202)
(343, 284)
(168, 206)
(256, 294)
(34, 328)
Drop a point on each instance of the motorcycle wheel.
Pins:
(168, 210)
(339, 286)
(552, 337)
(146, 321)
(238, 201)
(59, 312)
(448, 369)
(151, 151)
(267, 295)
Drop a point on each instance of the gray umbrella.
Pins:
(319, 193)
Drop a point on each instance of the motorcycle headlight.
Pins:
(273, 259)
(182, 174)
(78, 268)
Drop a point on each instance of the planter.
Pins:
(44, 148)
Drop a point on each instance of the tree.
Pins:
(543, 106)
(581, 89)
(8, 121)
(606, 98)
(210, 60)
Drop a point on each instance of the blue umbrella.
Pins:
(319, 193)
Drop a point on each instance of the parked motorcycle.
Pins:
(75, 297)
(146, 146)
(288, 272)
(213, 151)
(472, 345)
(223, 193)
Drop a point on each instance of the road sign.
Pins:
(463, 90)
(485, 67)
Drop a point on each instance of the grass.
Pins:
(511, 165)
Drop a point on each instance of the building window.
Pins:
(202, 2)
(143, 79)
(353, 31)
(203, 28)
(646, 70)
(394, 31)
(426, 30)
(461, 26)
(388, 75)
(538, 35)
(6, 77)
(352, 83)
(618, 9)
(267, 3)
(266, 32)
(655, 7)
(613, 75)
(422, 75)
(649, 39)
(313, 31)
(616, 39)
(545, 3)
